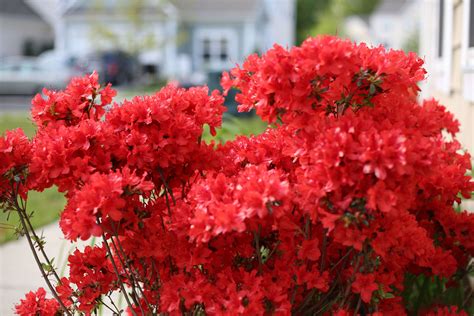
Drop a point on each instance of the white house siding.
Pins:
(249, 25)
(394, 22)
(280, 26)
(234, 32)
(79, 38)
(15, 30)
(448, 76)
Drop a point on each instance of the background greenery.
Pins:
(315, 17)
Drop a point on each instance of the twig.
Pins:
(125, 266)
(167, 190)
(40, 246)
(350, 280)
(359, 301)
(323, 252)
(109, 252)
(256, 236)
(38, 263)
(107, 306)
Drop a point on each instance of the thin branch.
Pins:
(38, 263)
(359, 301)
(31, 228)
(116, 311)
(167, 191)
(130, 276)
(256, 236)
(125, 261)
(323, 252)
(109, 252)
(350, 280)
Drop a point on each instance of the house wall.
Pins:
(191, 30)
(79, 37)
(449, 80)
(281, 23)
(15, 30)
(255, 26)
(394, 29)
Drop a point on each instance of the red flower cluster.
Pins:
(37, 304)
(15, 155)
(92, 274)
(324, 213)
(79, 101)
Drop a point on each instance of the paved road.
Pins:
(19, 273)
(15, 103)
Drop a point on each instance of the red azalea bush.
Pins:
(349, 190)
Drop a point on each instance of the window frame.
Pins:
(467, 53)
(215, 35)
(443, 63)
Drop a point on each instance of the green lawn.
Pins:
(15, 120)
(48, 204)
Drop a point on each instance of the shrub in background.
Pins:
(343, 206)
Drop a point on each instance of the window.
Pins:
(206, 50)
(224, 55)
(214, 49)
(442, 45)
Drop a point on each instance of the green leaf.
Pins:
(372, 88)
(46, 267)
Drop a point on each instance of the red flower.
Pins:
(365, 285)
(36, 303)
(309, 250)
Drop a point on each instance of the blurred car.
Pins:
(27, 75)
(115, 67)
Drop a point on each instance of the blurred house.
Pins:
(187, 36)
(447, 44)
(22, 30)
(393, 24)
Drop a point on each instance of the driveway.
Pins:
(19, 273)
(9, 103)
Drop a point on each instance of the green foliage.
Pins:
(45, 206)
(132, 11)
(412, 43)
(422, 291)
(232, 127)
(308, 14)
(358, 7)
(131, 91)
(325, 17)
(17, 120)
